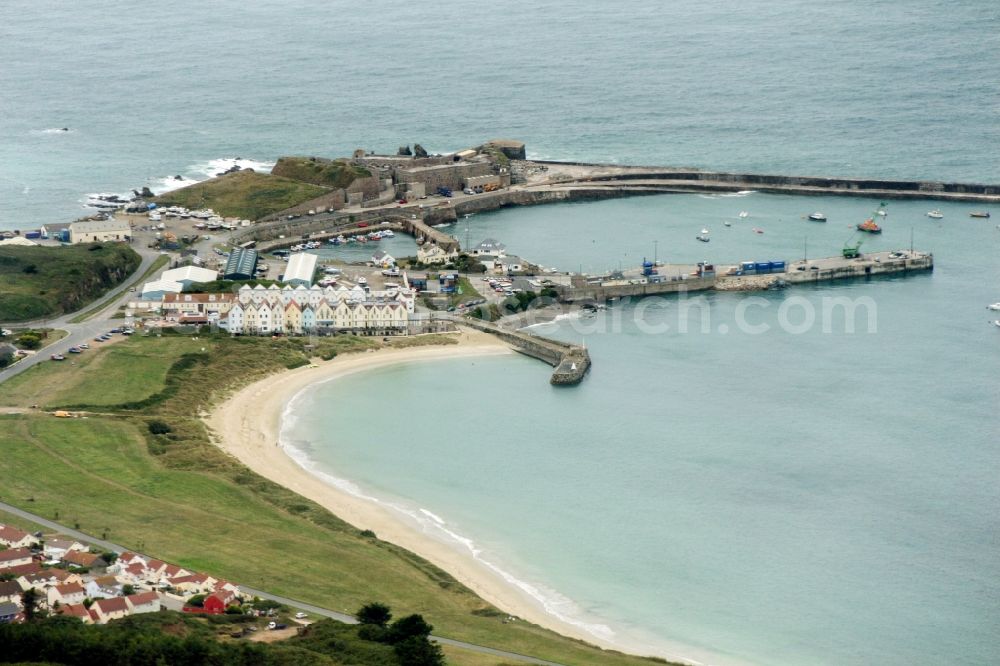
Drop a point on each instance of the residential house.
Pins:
(14, 557)
(56, 549)
(8, 612)
(103, 587)
(144, 602)
(82, 559)
(67, 593)
(15, 538)
(431, 253)
(489, 248)
(180, 304)
(218, 601)
(23, 569)
(104, 610)
(197, 583)
(78, 611)
(10, 590)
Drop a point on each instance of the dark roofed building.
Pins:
(241, 265)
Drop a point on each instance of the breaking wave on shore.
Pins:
(432, 525)
(202, 171)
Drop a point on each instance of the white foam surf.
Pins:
(202, 171)
(52, 130)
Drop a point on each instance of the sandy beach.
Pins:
(248, 423)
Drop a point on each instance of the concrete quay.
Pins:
(832, 268)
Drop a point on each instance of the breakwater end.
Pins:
(571, 362)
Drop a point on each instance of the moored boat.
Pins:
(744, 213)
(993, 306)
(703, 238)
(817, 217)
(935, 214)
(869, 225)
(980, 213)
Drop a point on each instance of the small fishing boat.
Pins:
(996, 322)
(817, 217)
(758, 230)
(980, 213)
(744, 213)
(703, 238)
(727, 223)
(704, 231)
(935, 214)
(869, 225)
(993, 306)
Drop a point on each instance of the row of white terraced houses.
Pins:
(295, 310)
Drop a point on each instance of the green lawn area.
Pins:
(38, 282)
(177, 497)
(106, 374)
(245, 194)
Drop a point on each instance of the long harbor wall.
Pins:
(571, 362)
(698, 180)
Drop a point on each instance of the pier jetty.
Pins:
(571, 362)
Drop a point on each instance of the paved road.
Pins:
(309, 608)
(84, 331)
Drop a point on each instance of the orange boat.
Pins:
(869, 225)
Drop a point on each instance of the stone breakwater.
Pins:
(571, 362)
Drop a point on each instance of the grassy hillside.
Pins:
(177, 497)
(37, 282)
(327, 173)
(245, 194)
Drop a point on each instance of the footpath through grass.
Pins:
(177, 497)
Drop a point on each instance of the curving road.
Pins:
(85, 331)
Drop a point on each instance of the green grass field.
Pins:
(326, 173)
(177, 497)
(39, 282)
(245, 194)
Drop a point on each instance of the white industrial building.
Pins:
(188, 275)
(301, 269)
(157, 289)
(99, 231)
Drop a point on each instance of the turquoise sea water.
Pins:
(792, 496)
(772, 498)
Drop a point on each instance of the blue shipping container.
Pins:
(763, 267)
(747, 266)
(777, 267)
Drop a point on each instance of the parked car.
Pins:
(58, 357)
(300, 615)
(75, 350)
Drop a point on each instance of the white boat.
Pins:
(727, 223)
(993, 306)
(703, 238)
(996, 322)
(817, 217)
(936, 214)
(704, 231)
(744, 213)
(362, 281)
(881, 212)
